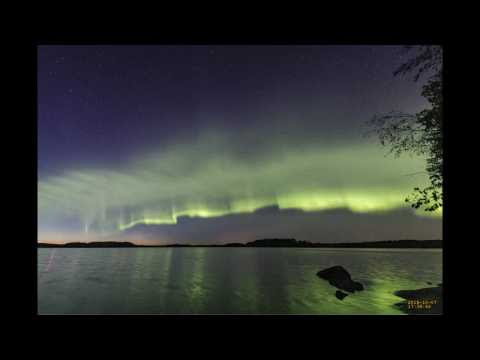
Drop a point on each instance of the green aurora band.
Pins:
(211, 178)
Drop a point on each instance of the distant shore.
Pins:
(277, 243)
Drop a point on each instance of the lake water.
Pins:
(226, 280)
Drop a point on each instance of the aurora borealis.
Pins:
(212, 144)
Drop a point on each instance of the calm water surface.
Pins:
(226, 280)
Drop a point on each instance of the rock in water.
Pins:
(340, 278)
(421, 301)
(425, 293)
(340, 294)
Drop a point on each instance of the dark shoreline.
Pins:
(270, 243)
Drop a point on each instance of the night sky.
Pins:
(216, 144)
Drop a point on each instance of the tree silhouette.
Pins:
(420, 133)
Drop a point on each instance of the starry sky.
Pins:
(214, 144)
